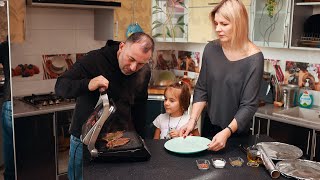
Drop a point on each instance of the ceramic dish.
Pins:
(188, 145)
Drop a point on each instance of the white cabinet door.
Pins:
(169, 20)
(271, 23)
(200, 28)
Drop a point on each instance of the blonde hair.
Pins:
(235, 12)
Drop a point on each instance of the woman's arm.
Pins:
(157, 133)
(195, 132)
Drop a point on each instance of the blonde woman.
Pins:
(230, 75)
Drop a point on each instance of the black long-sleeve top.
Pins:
(230, 88)
(4, 59)
(128, 92)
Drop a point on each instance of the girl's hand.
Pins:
(219, 140)
(174, 133)
(186, 129)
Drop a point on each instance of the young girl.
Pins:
(177, 100)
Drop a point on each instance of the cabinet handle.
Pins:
(117, 29)
(285, 35)
(315, 145)
(308, 143)
(213, 3)
(54, 123)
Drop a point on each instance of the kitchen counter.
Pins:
(166, 165)
(22, 109)
(267, 110)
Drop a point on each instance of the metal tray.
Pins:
(281, 151)
(300, 169)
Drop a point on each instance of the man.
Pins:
(119, 68)
(9, 169)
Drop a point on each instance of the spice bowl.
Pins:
(218, 162)
(203, 164)
(236, 161)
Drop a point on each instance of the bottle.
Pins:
(306, 97)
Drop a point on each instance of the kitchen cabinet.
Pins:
(113, 24)
(170, 20)
(200, 28)
(34, 142)
(270, 23)
(302, 38)
(131, 11)
(17, 16)
(154, 108)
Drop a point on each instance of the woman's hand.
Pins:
(174, 133)
(219, 140)
(186, 129)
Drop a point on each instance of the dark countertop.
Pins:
(165, 165)
(22, 109)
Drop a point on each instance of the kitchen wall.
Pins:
(62, 31)
(51, 31)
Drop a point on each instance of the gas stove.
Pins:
(41, 101)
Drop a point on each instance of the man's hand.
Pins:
(219, 140)
(186, 129)
(98, 82)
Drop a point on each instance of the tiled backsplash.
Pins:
(67, 31)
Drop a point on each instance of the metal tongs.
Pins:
(91, 137)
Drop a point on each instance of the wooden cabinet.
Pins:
(270, 23)
(17, 16)
(301, 37)
(3, 22)
(200, 28)
(123, 17)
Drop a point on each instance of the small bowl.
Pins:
(203, 164)
(236, 161)
(218, 162)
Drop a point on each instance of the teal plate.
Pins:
(188, 145)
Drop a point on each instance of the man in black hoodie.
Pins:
(119, 68)
(7, 134)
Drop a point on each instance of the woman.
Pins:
(230, 76)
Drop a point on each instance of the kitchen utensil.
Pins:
(299, 169)
(188, 145)
(281, 151)
(134, 150)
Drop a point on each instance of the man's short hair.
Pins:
(145, 39)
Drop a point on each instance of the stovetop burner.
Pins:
(44, 100)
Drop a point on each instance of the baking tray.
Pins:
(299, 169)
(281, 151)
